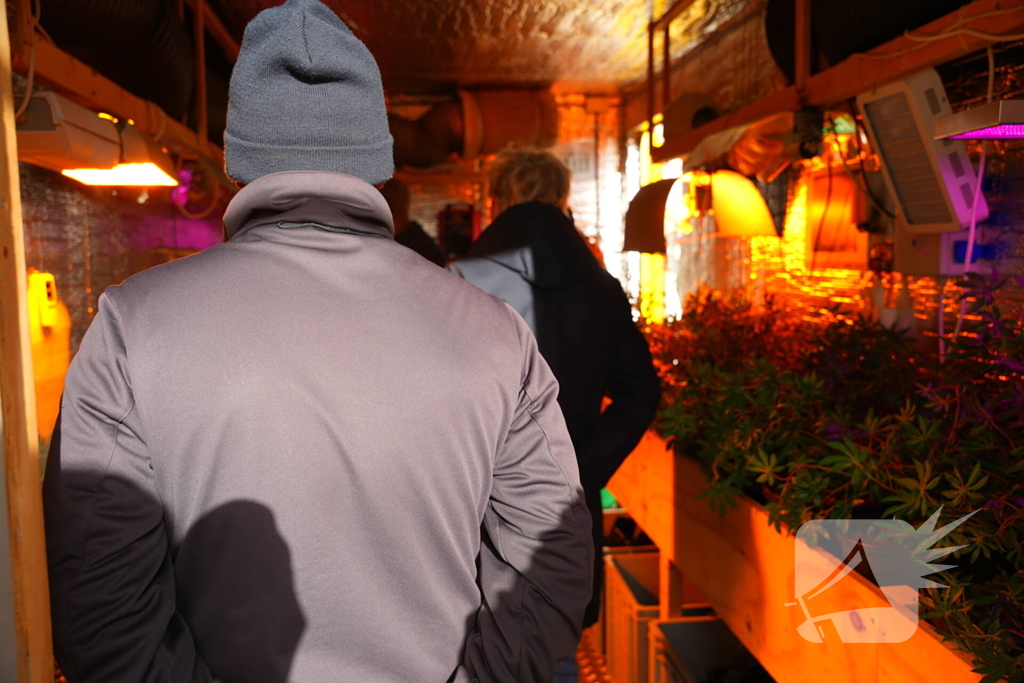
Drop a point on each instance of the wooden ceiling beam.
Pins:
(860, 73)
(62, 73)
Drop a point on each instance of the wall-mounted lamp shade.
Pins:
(645, 218)
(60, 135)
(1002, 120)
(739, 207)
(142, 164)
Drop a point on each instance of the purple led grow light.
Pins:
(1006, 131)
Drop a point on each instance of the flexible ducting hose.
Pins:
(480, 122)
(139, 44)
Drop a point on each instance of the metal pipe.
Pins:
(199, 40)
(667, 73)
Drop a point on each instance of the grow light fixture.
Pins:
(931, 180)
(145, 174)
(91, 147)
(142, 164)
(1001, 120)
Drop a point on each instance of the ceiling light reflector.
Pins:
(1001, 120)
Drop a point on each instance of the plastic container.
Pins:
(698, 650)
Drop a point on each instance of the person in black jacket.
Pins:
(534, 259)
(408, 232)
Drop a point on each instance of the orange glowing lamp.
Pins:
(142, 164)
(739, 208)
(146, 174)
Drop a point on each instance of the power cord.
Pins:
(972, 234)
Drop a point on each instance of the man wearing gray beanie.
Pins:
(307, 453)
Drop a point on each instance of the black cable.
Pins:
(867, 186)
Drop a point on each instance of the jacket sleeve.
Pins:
(635, 391)
(111, 578)
(536, 561)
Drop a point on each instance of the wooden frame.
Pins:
(24, 511)
(663, 24)
(59, 71)
(861, 73)
(744, 567)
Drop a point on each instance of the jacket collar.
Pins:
(333, 201)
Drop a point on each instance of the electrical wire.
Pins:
(865, 189)
(30, 79)
(29, 83)
(860, 153)
(959, 29)
(214, 197)
(972, 234)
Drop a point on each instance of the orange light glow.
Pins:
(138, 175)
(652, 287)
(740, 209)
(678, 211)
(108, 117)
(659, 134)
(785, 269)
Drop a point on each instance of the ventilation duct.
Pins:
(686, 112)
(481, 122)
(932, 181)
(763, 149)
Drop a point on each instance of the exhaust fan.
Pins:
(931, 180)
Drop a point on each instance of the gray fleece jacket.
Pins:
(307, 454)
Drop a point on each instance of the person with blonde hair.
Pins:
(521, 176)
(534, 259)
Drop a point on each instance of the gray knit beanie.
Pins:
(306, 95)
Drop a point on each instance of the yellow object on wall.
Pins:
(50, 325)
(652, 287)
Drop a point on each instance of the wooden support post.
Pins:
(650, 82)
(670, 589)
(215, 27)
(199, 40)
(23, 514)
(803, 44)
(666, 80)
(21, 26)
